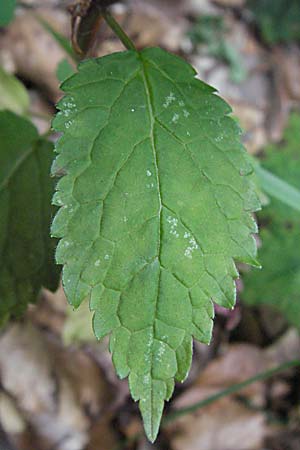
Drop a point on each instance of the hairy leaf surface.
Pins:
(278, 284)
(26, 250)
(155, 208)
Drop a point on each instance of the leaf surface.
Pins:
(278, 284)
(26, 250)
(155, 208)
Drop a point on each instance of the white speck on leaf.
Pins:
(175, 118)
(191, 248)
(149, 173)
(161, 351)
(97, 263)
(173, 222)
(169, 99)
(69, 123)
(106, 257)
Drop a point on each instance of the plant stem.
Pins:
(113, 24)
(230, 390)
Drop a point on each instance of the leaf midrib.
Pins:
(155, 160)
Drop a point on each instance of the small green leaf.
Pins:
(26, 251)
(278, 284)
(13, 94)
(7, 11)
(155, 207)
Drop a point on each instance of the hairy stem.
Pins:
(113, 24)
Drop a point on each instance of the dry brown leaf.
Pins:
(102, 436)
(286, 348)
(287, 60)
(87, 380)
(286, 87)
(231, 3)
(10, 418)
(50, 311)
(152, 24)
(47, 401)
(34, 51)
(227, 424)
(224, 425)
(238, 363)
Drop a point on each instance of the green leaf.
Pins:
(26, 251)
(278, 284)
(7, 11)
(13, 94)
(155, 207)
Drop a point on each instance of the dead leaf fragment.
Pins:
(224, 425)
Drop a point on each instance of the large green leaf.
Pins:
(155, 208)
(26, 251)
(278, 284)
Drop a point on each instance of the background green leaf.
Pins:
(155, 207)
(13, 94)
(7, 10)
(26, 251)
(278, 20)
(278, 284)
